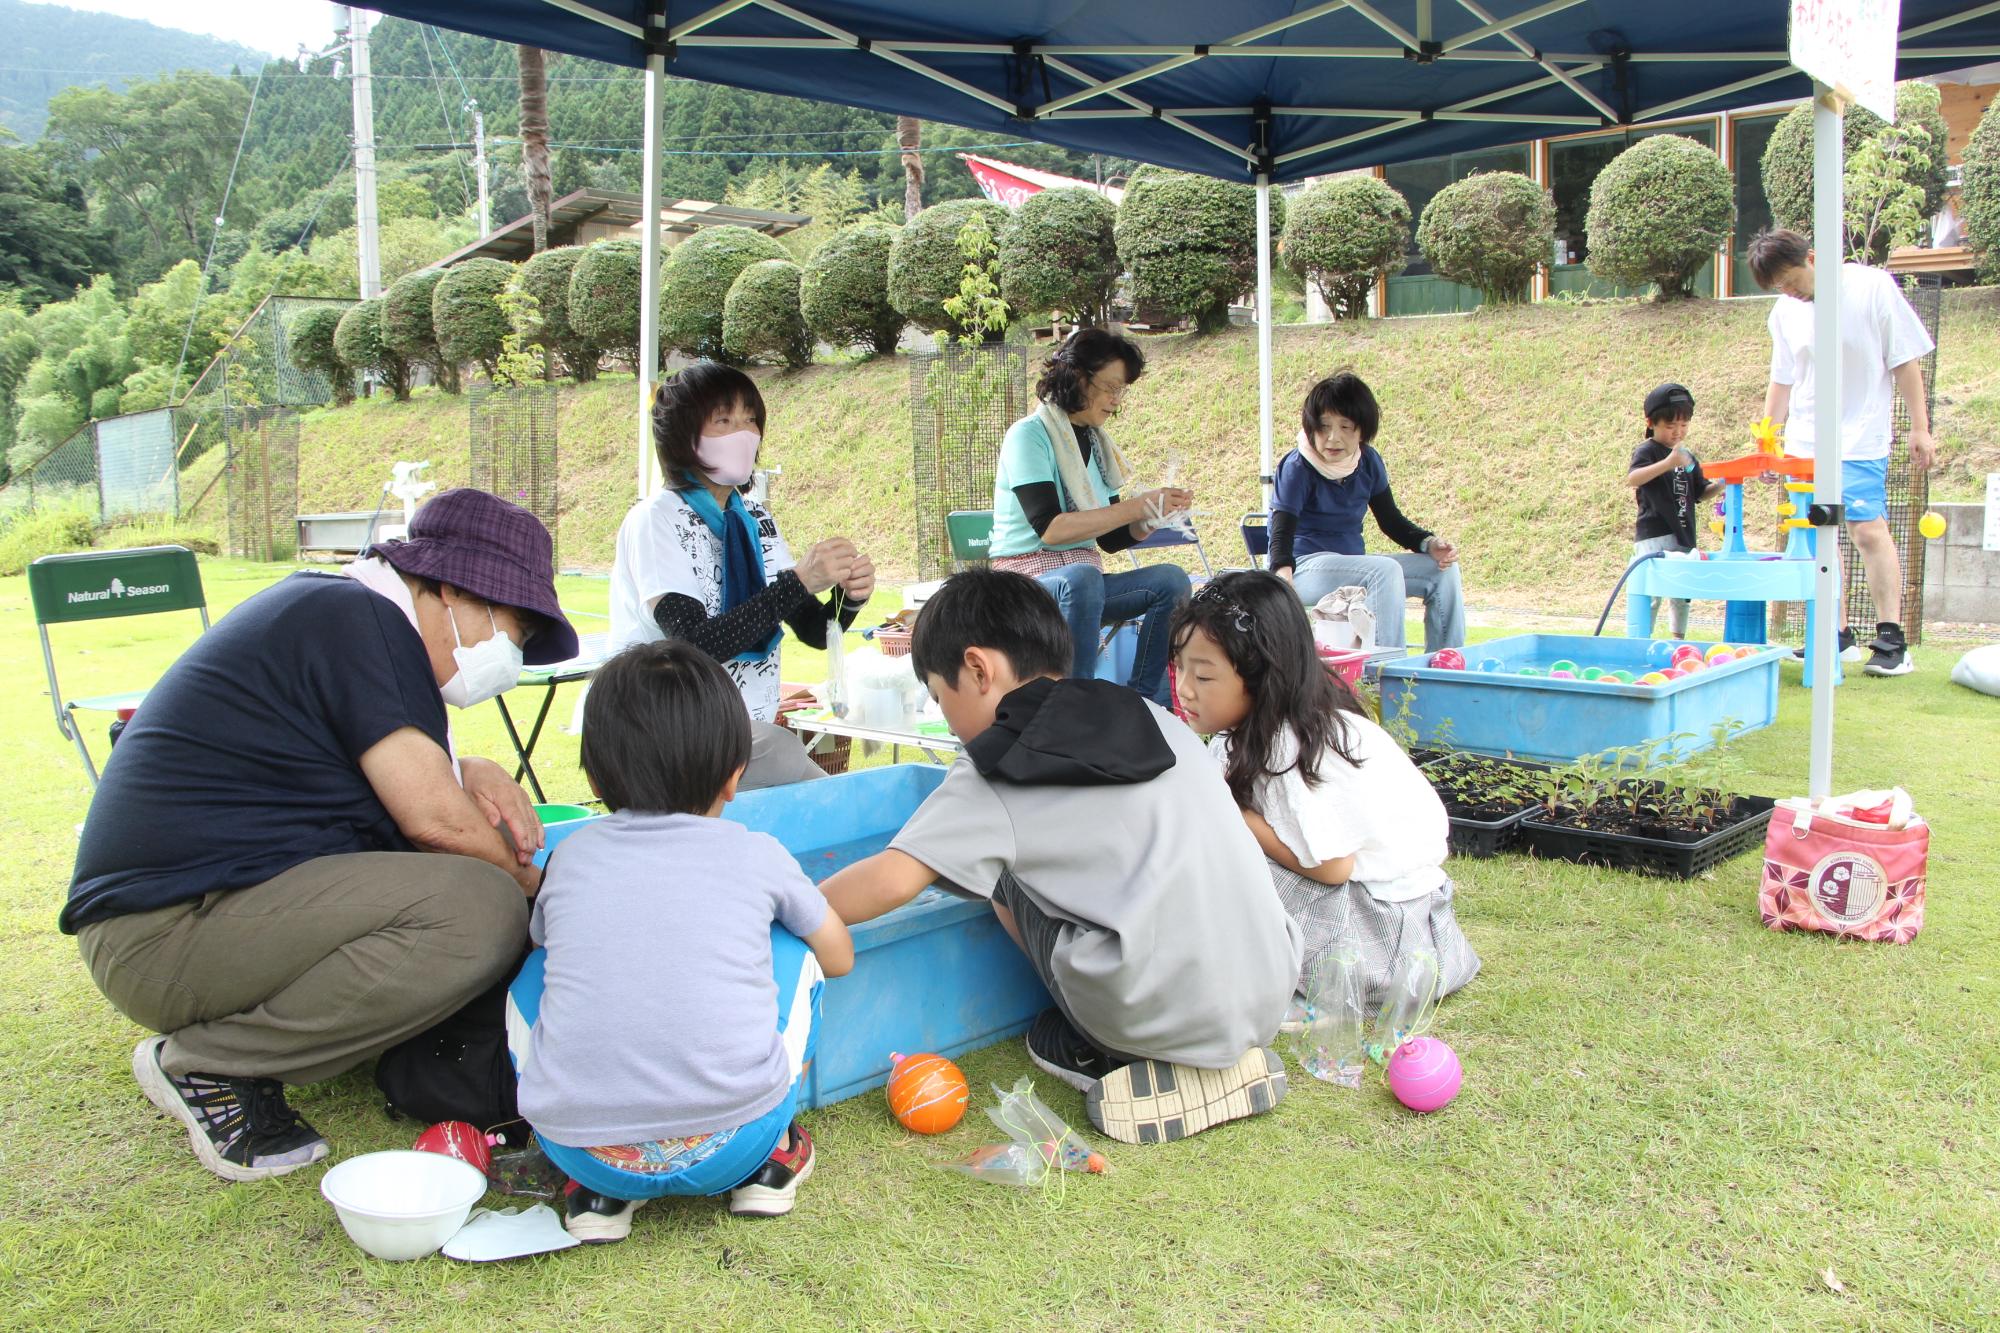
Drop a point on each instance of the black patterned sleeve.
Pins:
(742, 629)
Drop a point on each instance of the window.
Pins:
(1419, 182)
(1573, 168)
(1751, 135)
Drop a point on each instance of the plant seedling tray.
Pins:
(1650, 856)
(1486, 837)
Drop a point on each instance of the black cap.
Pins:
(1669, 396)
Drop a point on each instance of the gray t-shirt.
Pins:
(1176, 946)
(660, 1014)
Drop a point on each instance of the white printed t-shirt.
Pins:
(664, 547)
(1878, 332)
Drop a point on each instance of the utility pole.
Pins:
(479, 163)
(367, 221)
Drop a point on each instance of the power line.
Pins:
(443, 109)
(215, 235)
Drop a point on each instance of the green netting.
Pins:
(513, 446)
(962, 399)
(263, 482)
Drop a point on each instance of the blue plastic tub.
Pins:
(939, 974)
(1559, 721)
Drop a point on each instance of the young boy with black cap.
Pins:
(1669, 483)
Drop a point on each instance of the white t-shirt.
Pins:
(663, 547)
(1878, 332)
(1381, 812)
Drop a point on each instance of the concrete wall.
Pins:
(1961, 581)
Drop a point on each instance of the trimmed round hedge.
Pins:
(358, 341)
(844, 291)
(1658, 212)
(1490, 230)
(546, 277)
(465, 310)
(1190, 242)
(761, 316)
(604, 296)
(1788, 156)
(1979, 191)
(407, 326)
(1343, 234)
(925, 264)
(698, 275)
(1058, 255)
(309, 339)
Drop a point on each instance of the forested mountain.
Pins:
(48, 48)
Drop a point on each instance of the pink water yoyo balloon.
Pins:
(1424, 1074)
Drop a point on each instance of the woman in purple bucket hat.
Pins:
(288, 868)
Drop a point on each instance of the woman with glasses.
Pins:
(1057, 508)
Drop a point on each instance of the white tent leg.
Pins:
(1829, 243)
(1264, 459)
(649, 278)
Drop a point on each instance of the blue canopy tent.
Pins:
(1262, 91)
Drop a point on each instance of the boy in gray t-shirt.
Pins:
(1112, 853)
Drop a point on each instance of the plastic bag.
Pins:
(1041, 1140)
(1329, 1044)
(1979, 670)
(1407, 1009)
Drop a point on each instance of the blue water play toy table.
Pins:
(938, 974)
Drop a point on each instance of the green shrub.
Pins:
(761, 316)
(925, 264)
(358, 340)
(1658, 212)
(604, 296)
(1788, 182)
(1979, 192)
(1344, 234)
(1058, 255)
(309, 339)
(1490, 230)
(1190, 242)
(546, 277)
(408, 327)
(50, 530)
(465, 309)
(844, 293)
(699, 273)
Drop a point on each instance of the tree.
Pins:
(48, 245)
(535, 138)
(1190, 242)
(925, 263)
(1658, 212)
(465, 311)
(408, 327)
(761, 315)
(833, 200)
(910, 141)
(604, 296)
(1058, 255)
(696, 281)
(82, 358)
(1490, 230)
(358, 341)
(158, 321)
(546, 277)
(1343, 235)
(844, 293)
(1787, 166)
(1979, 194)
(310, 338)
(1883, 203)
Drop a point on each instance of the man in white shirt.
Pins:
(1881, 343)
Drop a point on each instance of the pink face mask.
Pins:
(728, 459)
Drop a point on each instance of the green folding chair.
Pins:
(103, 585)
(971, 535)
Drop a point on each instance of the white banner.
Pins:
(1850, 46)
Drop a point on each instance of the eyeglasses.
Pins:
(1216, 598)
(1114, 392)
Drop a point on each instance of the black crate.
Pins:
(1650, 856)
(1486, 837)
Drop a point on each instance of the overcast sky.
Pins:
(277, 26)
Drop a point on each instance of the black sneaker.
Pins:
(596, 1219)
(241, 1128)
(1849, 650)
(774, 1187)
(1057, 1048)
(1891, 652)
(1151, 1101)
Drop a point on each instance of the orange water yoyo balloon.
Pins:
(927, 1093)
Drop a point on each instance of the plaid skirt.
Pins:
(1034, 564)
(1381, 931)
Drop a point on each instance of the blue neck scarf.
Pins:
(742, 556)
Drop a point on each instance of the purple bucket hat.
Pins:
(493, 550)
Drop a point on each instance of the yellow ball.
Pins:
(1931, 525)
(1715, 526)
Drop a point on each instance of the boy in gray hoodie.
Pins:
(1111, 851)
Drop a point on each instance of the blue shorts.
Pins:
(699, 1164)
(1864, 489)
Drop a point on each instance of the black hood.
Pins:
(1076, 733)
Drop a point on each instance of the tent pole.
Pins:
(1264, 459)
(649, 271)
(1829, 243)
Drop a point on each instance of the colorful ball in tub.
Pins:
(1653, 678)
(1659, 653)
(1747, 650)
(1591, 673)
(1721, 652)
(1492, 665)
(1623, 677)
(1448, 659)
(1673, 673)
(1529, 671)
(1561, 675)
(1686, 650)
(1690, 665)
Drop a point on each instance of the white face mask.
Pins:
(485, 670)
(728, 459)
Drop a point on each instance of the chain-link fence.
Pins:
(262, 477)
(513, 444)
(63, 478)
(962, 399)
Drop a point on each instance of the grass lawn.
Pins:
(1671, 1118)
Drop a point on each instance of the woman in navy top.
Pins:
(1323, 487)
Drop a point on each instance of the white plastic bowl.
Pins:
(402, 1205)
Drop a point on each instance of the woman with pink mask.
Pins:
(1323, 488)
(702, 561)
